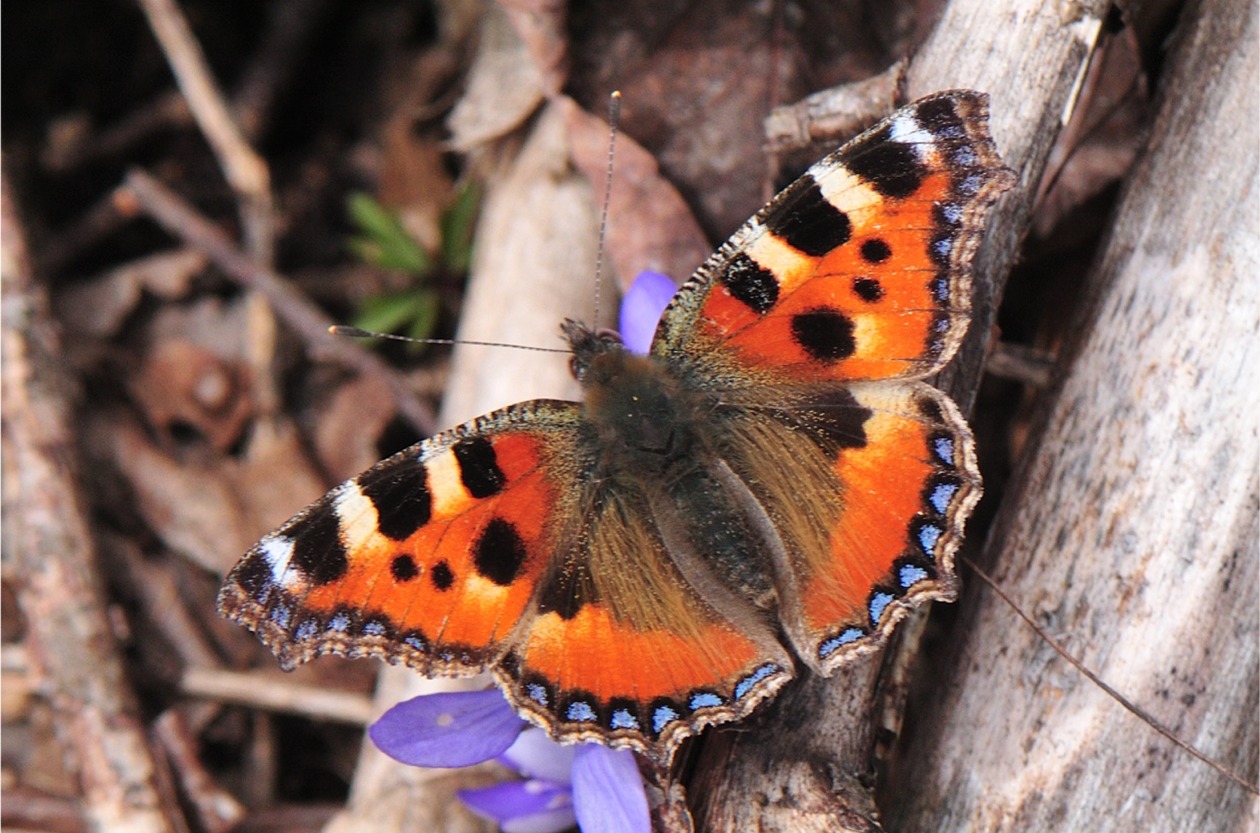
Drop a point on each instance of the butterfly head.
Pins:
(588, 345)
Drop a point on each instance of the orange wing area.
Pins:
(907, 492)
(891, 333)
(861, 269)
(479, 548)
(623, 649)
(431, 558)
(869, 513)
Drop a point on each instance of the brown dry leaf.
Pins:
(504, 86)
(649, 224)
(412, 175)
(541, 27)
(184, 387)
(210, 511)
(349, 425)
(98, 307)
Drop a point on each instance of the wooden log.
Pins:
(1131, 530)
(50, 544)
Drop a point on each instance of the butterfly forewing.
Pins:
(861, 269)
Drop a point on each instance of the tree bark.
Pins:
(804, 763)
(1131, 530)
(50, 545)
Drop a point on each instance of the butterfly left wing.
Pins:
(490, 546)
(869, 513)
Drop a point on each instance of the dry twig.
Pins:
(244, 169)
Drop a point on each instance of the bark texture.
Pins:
(1131, 531)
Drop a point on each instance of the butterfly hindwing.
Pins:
(861, 268)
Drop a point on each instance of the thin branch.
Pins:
(244, 169)
(265, 692)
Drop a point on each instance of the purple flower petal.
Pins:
(523, 806)
(535, 755)
(641, 308)
(459, 728)
(608, 791)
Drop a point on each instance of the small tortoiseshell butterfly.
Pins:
(770, 487)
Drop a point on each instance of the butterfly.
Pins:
(768, 490)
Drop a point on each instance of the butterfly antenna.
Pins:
(614, 116)
(1132, 707)
(356, 332)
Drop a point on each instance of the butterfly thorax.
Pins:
(644, 419)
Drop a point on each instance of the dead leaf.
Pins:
(541, 25)
(504, 88)
(650, 226)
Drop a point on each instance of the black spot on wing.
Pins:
(479, 467)
(875, 250)
(825, 334)
(254, 574)
(940, 118)
(804, 217)
(441, 576)
(499, 552)
(318, 550)
(565, 590)
(836, 419)
(751, 284)
(868, 289)
(400, 493)
(892, 168)
(403, 568)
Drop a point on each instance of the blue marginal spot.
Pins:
(942, 247)
(306, 630)
(374, 628)
(662, 716)
(943, 447)
(745, 685)
(965, 157)
(970, 185)
(281, 615)
(951, 212)
(910, 575)
(879, 603)
(537, 692)
(339, 623)
(830, 646)
(580, 711)
(703, 700)
(942, 495)
(929, 535)
(623, 719)
(416, 642)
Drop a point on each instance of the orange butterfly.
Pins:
(769, 488)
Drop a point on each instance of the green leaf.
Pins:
(386, 313)
(383, 240)
(457, 224)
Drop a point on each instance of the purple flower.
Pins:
(641, 308)
(598, 787)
